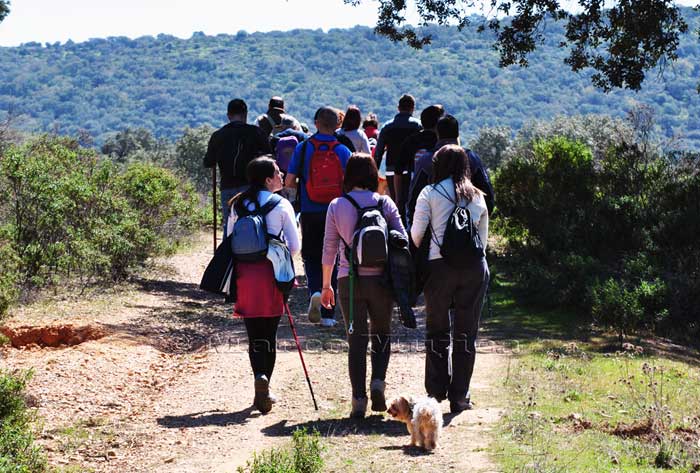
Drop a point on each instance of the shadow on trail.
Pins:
(342, 427)
(408, 450)
(208, 418)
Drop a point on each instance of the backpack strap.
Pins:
(269, 205)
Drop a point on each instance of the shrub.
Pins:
(9, 275)
(66, 213)
(605, 235)
(17, 450)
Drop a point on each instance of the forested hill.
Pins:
(165, 83)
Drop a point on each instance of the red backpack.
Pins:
(325, 180)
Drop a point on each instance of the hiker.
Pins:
(270, 122)
(369, 316)
(291, 128)
(283, 145)
(418, 144)
(391, 137)
(259, 300)
(370, 126)
(351, 128)
(319, 164)
(457, 277)
(447, 130)
(232, 147)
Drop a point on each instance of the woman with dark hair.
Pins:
(260, 303)
(351, 128)
(462, 288)
(372, 299)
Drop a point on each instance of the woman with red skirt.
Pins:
(260, 303)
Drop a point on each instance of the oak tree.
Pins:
(621, 41)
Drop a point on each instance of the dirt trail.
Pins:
(169, 388)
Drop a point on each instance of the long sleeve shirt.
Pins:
(340, 223)
(279, 219)
(432, 208)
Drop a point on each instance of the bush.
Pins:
(66, 213)
(614, 236)
(18, 454)
(9, 275)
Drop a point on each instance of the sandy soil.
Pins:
(169, 389)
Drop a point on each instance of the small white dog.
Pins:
(423, 418)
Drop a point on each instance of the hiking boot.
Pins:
(328, 322)
(315, 308)
(359, 407)
(462, 405)
(376, 393)
(262, 400)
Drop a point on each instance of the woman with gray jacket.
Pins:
(462, 289)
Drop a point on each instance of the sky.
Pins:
(79, 20)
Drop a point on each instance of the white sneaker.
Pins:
(328, 322)
(315, 308)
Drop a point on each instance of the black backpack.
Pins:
(369, 246)
(461, 243)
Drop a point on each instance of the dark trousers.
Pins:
(464, 290)
(313, 229)
(373, 305)
(400, 200)
(262, 343)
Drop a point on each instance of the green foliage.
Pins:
(4, 9)
(9, 273)
(608, 233)
(164, 84)
(67, 214)
(190, 149)
(491, 145)
(303, 457)
(18, 454)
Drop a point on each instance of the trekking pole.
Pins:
(303, 365)
(213, 201)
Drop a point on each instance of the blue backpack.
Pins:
(249, 239)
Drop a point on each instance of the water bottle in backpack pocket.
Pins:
(249, 240)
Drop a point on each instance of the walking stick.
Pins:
(303, 365)
(213, 206)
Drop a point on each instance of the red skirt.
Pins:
(258, 295)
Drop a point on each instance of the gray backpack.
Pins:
(249, 239)
(369, 246)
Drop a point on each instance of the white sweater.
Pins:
(280, 218)
(358, 138)
(433, 208)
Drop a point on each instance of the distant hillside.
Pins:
(165, 83)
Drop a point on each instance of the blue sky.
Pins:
(80, 20)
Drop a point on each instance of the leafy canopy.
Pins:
(621, 41)
(4, 9)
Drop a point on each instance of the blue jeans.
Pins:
(313, 227)
(226, 195)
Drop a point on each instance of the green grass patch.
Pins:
(303, 456)
(18, 452)
(579, 411)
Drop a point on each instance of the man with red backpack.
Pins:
(319, 164)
